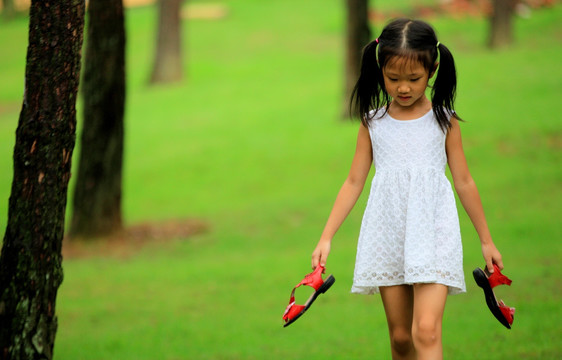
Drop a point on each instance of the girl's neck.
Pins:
(414, 111)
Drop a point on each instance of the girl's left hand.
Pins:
(492, 256)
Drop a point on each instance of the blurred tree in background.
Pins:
(358, 35)
(168, 60)
(31, 260)
(501, 24)
(97, 194)
(8, 9)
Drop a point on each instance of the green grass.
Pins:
(252, 143)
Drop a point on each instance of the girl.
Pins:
(409, 246)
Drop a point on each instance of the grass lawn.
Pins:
(252, 144)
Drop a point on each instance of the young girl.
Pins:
(409, 246)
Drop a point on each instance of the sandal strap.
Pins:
(507, 312)
(314, 279)
(292, 311)
(497, 278)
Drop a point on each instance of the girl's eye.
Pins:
(391, 79)
(414, 80)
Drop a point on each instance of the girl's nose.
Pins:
(403, 88)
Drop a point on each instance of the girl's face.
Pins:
(405, 81)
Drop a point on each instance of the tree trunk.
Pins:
(167, 64)
(358, 35)
(501, 27)
(31, 261)
(97, 194)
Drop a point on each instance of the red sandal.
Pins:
(314, 280)
(487, 282)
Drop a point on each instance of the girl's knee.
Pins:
(426, 333)
(401, 341)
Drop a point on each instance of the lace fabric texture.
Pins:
(410, 230)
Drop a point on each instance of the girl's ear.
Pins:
(433, 70)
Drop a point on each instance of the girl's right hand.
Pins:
(320, 254)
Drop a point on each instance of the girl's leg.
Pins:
(429, 304)
(398, 304)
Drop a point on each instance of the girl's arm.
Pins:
(347, 196)
(468, 194)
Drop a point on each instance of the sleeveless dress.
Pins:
(410, 230)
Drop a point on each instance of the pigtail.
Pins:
(444, 88)
(366, 95)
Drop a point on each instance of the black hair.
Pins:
(414, 40)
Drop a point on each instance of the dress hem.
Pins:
(453, 289)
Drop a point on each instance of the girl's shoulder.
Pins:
(377, 114)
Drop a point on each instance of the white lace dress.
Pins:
(410, 231)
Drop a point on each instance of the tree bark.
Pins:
(97, 194)
(501, 25)
(358, 35)
(168, 60)
(31, 260)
